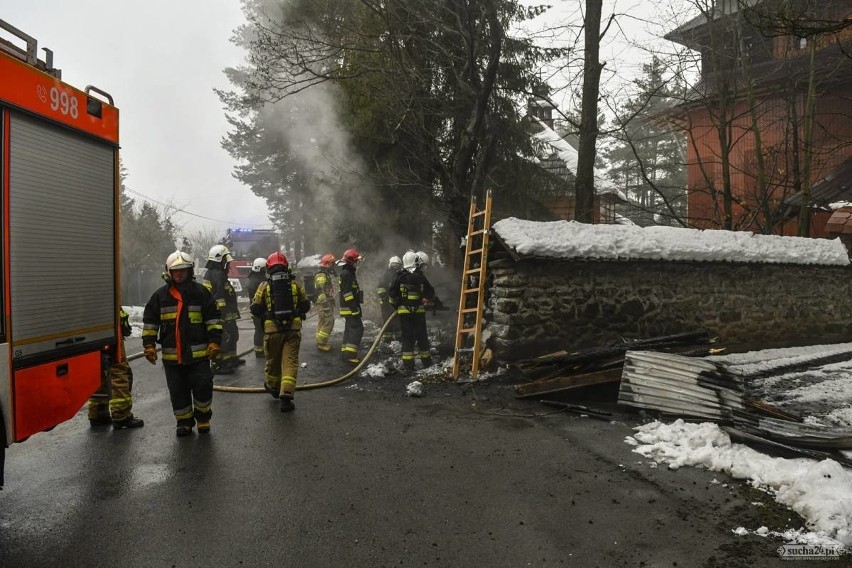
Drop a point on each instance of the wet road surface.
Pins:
(360, 475)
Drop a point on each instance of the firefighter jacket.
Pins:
(351, 295)
(261, 306)
(183, 319)
(216, 280)
(124, 320)
(252, 282)
(385, 285)
(410, 291)
(324, 286)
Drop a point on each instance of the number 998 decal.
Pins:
(62, 102)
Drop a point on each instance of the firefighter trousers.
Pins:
(258, 335)
(325, 322)
(282, 360)
(393, 332)
(119, 405)
(352, 334)
(191, 392)
(414, 333)
(228, 350)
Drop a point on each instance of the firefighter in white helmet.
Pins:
(393, 332)
(216, 280)
(184, 318)
(255, 277)
(410, 293)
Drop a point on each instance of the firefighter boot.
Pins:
(129, 422)
(219, 367)
(272, 390)
(203, 427)
(287, 403)
(324, 347)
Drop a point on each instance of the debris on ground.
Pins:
(563, 371)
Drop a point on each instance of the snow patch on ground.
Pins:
(820, 491)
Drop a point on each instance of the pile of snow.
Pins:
(572, 240)
(819, 491)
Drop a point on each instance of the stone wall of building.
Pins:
(539, 306)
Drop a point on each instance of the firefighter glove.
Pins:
(212, 350)
(151, 353)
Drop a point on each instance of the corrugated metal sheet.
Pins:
(697, 388)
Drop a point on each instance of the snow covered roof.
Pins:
(571, 240)
(567, 153)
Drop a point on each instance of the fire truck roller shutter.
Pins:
(62, 211)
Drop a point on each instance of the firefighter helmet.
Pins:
(422, 259)
(351, 256)
(409, 261)
(327, 260)
(394, 263)
(258, 264)
(219, 253)
(276, 259)
(178, 260)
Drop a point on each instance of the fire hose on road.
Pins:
(308, 386)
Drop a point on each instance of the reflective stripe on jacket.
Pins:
(350, 292)
(183, 320)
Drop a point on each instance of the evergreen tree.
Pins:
(647, 159)
(428, 96)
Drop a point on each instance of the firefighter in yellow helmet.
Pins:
(282, 302)
(184, 318)
(115, 406)
(324, 286)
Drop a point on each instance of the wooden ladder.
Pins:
(472, 297)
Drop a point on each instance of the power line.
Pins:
(170, 206)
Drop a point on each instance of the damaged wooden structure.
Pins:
(563, 371)
(696, 388)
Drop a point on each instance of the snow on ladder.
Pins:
(472, 295)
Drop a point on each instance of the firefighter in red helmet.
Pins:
(323, 284)
(351, 297)
(282, 303)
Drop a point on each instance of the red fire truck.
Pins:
(59, 240)
(245, 246)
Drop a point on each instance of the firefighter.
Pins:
(409, 294)
(430, 300)
(185, 319)
(393, 332)
(255, 277)
(324, 286)
(216, 281)
(351, 297)
(282, 303)
(117, 411)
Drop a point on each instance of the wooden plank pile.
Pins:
(564, 371)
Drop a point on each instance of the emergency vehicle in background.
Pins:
(59, 241)
(245, 246)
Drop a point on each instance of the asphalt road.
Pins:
(361, 475)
